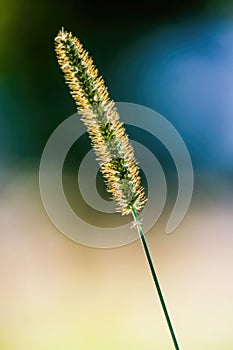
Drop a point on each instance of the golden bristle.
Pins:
(109, 140)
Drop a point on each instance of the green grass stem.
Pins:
(155, 278)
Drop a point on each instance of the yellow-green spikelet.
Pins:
(114, 152)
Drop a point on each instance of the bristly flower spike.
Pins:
(109, 140)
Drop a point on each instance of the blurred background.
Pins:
(175, 57)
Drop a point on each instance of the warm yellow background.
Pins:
(57, 294)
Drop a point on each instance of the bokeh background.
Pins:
(175, 57)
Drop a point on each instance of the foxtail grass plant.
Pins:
(108, 138)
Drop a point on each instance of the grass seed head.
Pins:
(108, 138)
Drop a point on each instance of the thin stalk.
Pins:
(155, 278)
